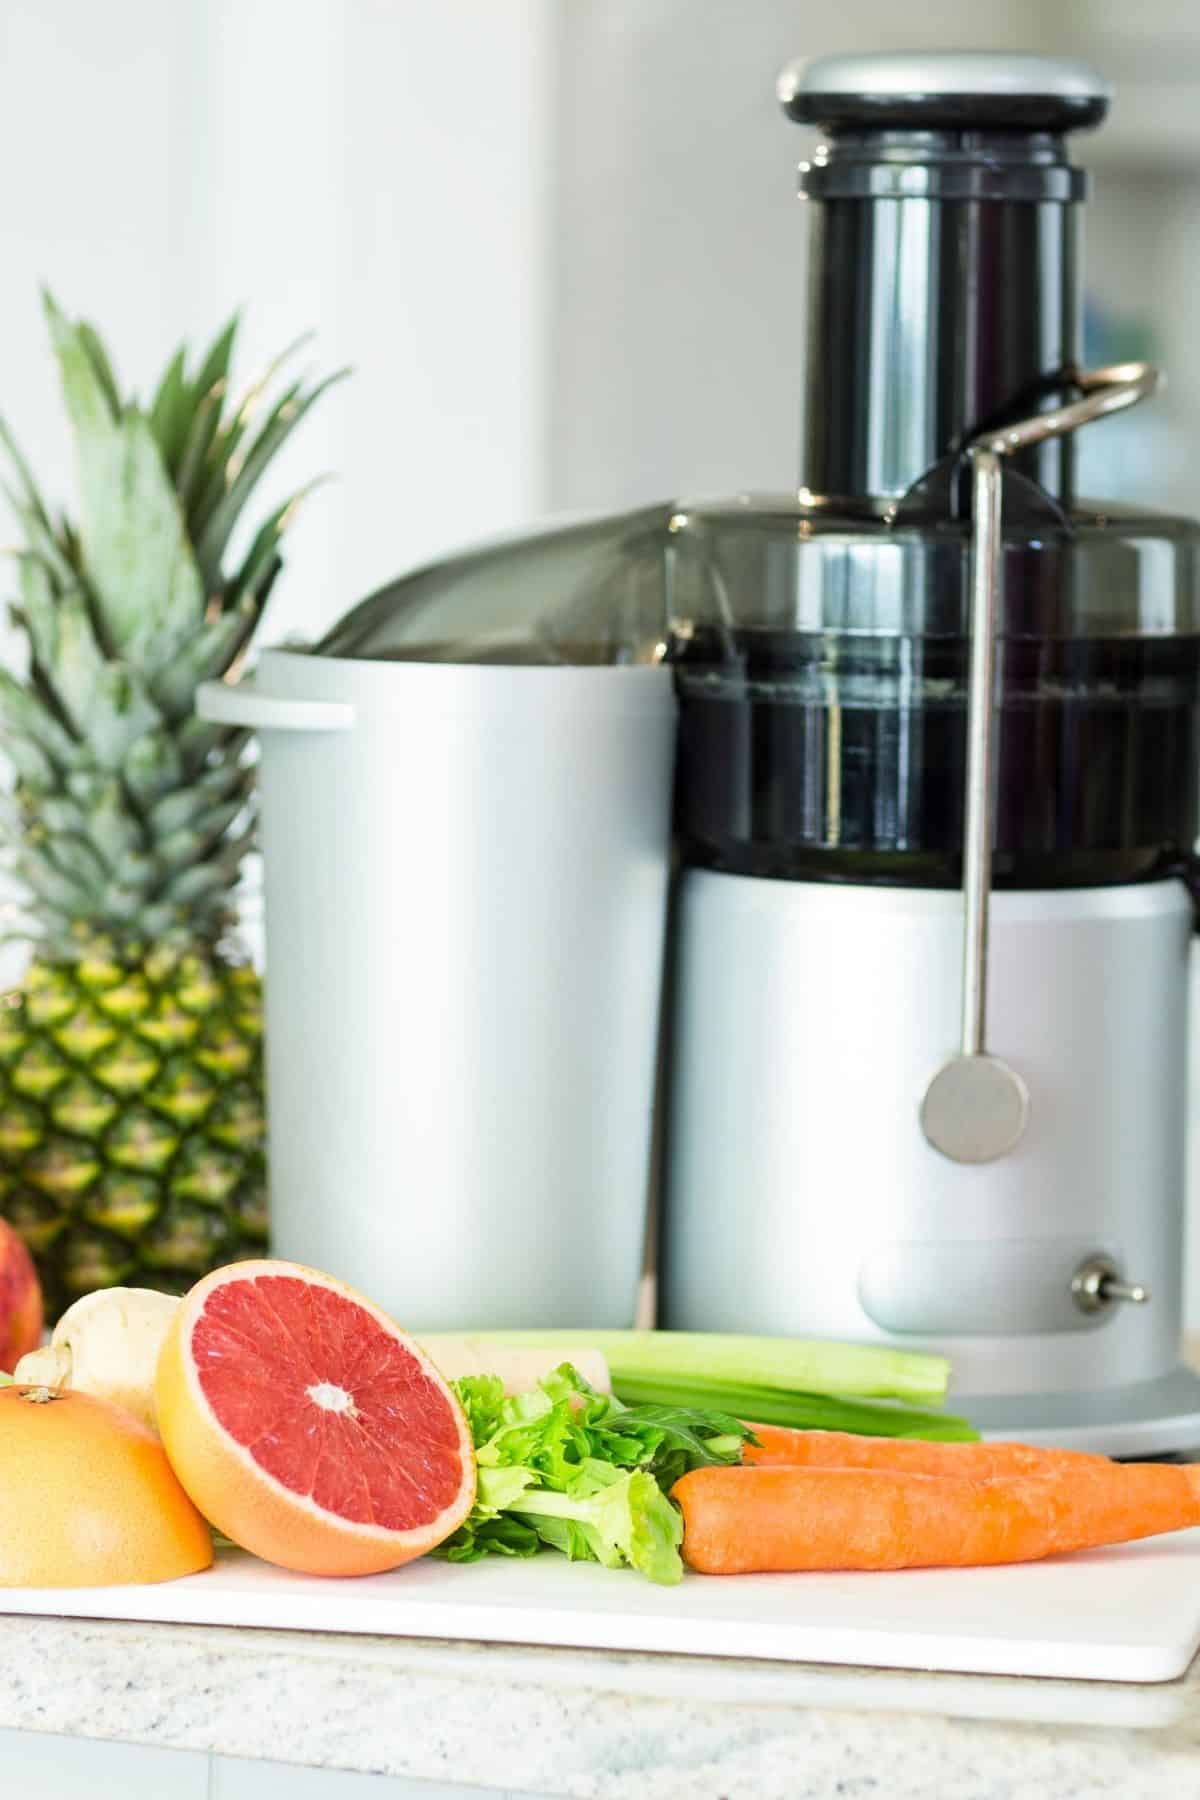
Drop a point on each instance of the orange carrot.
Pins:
(781, 1447)
(738, 1520)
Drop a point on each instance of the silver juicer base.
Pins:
(1145, 1418)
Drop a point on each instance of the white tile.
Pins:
(37, 1765)
(237, 1778)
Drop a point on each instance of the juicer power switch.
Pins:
(1097, 1283)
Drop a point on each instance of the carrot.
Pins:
(739, 1520)
(780, 1447)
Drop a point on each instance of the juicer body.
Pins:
(937, 788)
(803, 1198)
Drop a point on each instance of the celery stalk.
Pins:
(760, 1405)
(803, 1366)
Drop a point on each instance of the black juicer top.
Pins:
(944, 294)
(821, 645)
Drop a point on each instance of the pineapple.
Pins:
(131, 1104)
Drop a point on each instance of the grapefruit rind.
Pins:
(246, 1501)
(87, 1497)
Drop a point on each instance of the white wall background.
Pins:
(558, 239)
(376, 171)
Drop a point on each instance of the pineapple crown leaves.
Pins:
(132, 813)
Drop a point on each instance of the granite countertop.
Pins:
(598, 1725)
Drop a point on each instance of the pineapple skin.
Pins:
(132, 1118)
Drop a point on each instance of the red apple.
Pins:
(20, 1300)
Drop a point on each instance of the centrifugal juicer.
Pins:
(904, 1105)
(933, 721)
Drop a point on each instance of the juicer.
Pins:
(936, 801)
(919, 1072)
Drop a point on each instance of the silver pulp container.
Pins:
(465, 882)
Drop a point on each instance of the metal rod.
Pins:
(986, 503)
(1104, 391)
(976, 1107)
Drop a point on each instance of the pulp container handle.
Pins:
(241, 703)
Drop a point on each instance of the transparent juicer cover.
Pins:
(822, 666)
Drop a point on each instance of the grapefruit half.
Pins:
(87, 1498)
(307, 1426)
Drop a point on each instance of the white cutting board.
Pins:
(1130, 1614)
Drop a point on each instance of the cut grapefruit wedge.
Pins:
(307, 1426)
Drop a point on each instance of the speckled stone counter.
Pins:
(597, 1725)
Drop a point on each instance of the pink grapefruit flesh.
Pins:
(307, 1426)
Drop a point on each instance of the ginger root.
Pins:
(106, 1344)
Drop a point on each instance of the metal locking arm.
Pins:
(976, 1107)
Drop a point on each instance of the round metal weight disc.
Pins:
(975, 1109)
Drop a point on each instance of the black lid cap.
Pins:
(959, 90)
